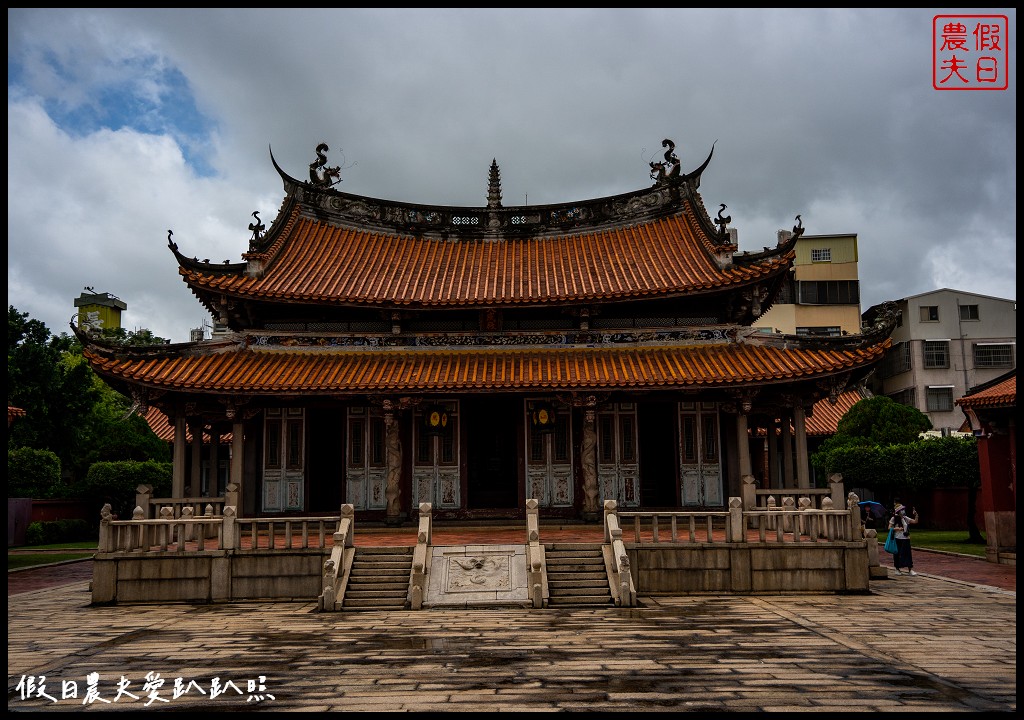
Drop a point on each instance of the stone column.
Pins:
(589, 463)
(178, 465)
(803, 479)
(214, 484)
(773, 454)
(237, 462)
(196, 425)
(787, 452)
(743, 440)
(393, 448)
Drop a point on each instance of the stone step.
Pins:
(384, 550)
(580, 600)
(569, 582)
(380, 586)
(389, 595)
(364, 571)
(581, 576)
(578, 567)
(368, 604)
(557, 547)
(573, 555)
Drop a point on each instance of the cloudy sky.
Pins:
(124, 124)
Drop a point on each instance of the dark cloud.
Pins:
(826, 113)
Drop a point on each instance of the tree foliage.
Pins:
(70, 411)
(49, 379)
(880, 420)
(116, 483)
(33, 473)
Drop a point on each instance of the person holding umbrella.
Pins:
(900, 524)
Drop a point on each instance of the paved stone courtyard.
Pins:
(913, 644)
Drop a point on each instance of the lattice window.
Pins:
(936, 354)
(993, 356)
(940, 399)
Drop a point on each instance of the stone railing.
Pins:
(339, 565)
(536, 570)
(674, 527)
(755, 498)
(166, 533)
(806, 549)
(188, 532)
(619, 575)
(152, 507)
(802, 523)
(421, 557)
(286, 533)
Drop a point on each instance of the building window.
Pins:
(821, 255)
(907, 396)
(820, 331)
(929, 313)
(828, 292)
(993, 356)
(968, 312)
(940, 399)
(897, 360)
(936, 354)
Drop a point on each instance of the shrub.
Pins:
(33, 473)
(116, 483)
(58, 531)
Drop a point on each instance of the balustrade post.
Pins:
(143, 495)
(735, 531)
(835, 482)
(231, 534)
(748, 492)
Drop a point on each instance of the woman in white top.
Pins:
(900, 525)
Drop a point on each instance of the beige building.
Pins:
(822, 294)
(945, 343)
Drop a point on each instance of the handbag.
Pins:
(890, 543)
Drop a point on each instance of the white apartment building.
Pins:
(946, 342)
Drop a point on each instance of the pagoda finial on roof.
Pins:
(494, 186)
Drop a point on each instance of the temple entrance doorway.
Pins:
(491, 453)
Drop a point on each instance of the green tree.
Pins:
(880, 421)
(48, 378)
(947, 462)
(69, 410)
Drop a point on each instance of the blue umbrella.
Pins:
(872, 509)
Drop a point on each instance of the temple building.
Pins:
(386, 354)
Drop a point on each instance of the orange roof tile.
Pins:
(285, 370)
(163, 429)
(315, 261)
(1003, 394)
(824, 420)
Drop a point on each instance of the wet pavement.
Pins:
(944, 640)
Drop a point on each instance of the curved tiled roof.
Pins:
(1003, 394)
(662, 257)
(328, 248)
(161, 426)
(824, 420)
(256, 370)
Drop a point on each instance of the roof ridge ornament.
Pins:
(320, 174)
(668, 169)
(722, 220)
(257, 228)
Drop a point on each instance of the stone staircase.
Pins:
(379, 579)
(576, 575)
